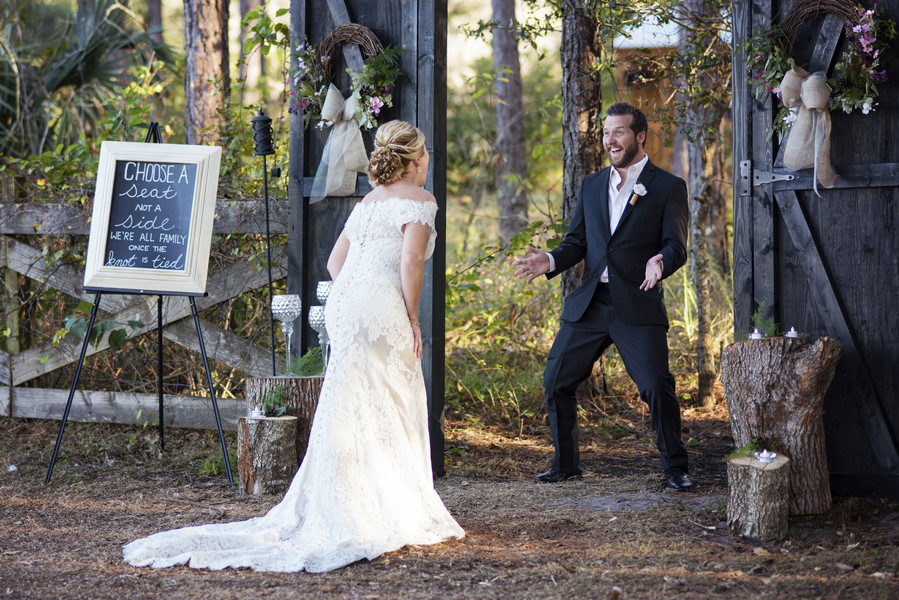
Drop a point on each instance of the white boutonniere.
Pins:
(639, 190)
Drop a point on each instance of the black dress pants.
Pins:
(644, 349)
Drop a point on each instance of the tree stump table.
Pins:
(266, 453)
(758, 504)
(300, 396)
(775, 389)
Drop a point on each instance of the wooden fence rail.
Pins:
(223, 347)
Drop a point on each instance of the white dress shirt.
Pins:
(618, 198)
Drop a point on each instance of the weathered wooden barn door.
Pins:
(826, 265)
(419, 27)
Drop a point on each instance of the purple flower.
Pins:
(375, 105)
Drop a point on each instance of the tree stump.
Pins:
(266, 453)
(301, 397)
(759, 501)
(775, 391)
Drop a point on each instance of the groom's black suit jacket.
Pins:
(656, 224)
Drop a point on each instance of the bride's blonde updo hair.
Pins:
(397, 143)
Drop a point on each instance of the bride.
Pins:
(365, 485)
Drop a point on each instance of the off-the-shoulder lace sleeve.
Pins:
(412, 211)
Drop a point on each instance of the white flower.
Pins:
(791, 116)
(866, 106)
(639, 190)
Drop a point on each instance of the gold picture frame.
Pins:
(151, 226)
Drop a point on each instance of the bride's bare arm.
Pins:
(338, 255)
(412, 269)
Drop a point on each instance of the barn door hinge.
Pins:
(750, 177)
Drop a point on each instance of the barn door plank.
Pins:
(297, 230)
(875, 419)
(742, 99)
(762, 157)
(826, 44)
(341, 16)
(867, 175)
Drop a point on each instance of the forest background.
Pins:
(73, 74)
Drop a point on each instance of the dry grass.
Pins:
(616, 534)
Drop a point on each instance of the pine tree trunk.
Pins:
(154, 19)
(719, 191)
(699, 267)
(512, 162)
(205, 61)
(582, 150)
(702, 122)
(775, 391)
(301, 397)
(266, 454)
(758, 503)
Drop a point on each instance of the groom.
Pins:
(630, 229)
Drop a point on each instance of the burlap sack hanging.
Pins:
(808, 145)
(791, 87)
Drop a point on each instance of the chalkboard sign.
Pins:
(152, 218)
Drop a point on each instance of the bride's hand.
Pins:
(416, 339)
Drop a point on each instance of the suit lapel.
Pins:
(603, 196)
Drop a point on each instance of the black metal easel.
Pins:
(153, 135)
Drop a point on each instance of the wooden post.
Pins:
(300, 396)
(10, 300)
(775, 391)
(759, 500)
(266, 455)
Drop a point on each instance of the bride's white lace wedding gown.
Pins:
(365, 486)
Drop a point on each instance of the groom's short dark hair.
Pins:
(638, 123)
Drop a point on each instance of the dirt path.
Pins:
(616, 534)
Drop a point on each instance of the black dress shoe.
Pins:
(678, 480)
(555, 476)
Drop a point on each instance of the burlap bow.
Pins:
(344, 154)
(808, 143)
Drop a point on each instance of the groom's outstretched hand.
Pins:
(533, 266)
(653, 273)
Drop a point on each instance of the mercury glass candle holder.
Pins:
(286, 308)
(317, 322)
(322, 291)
